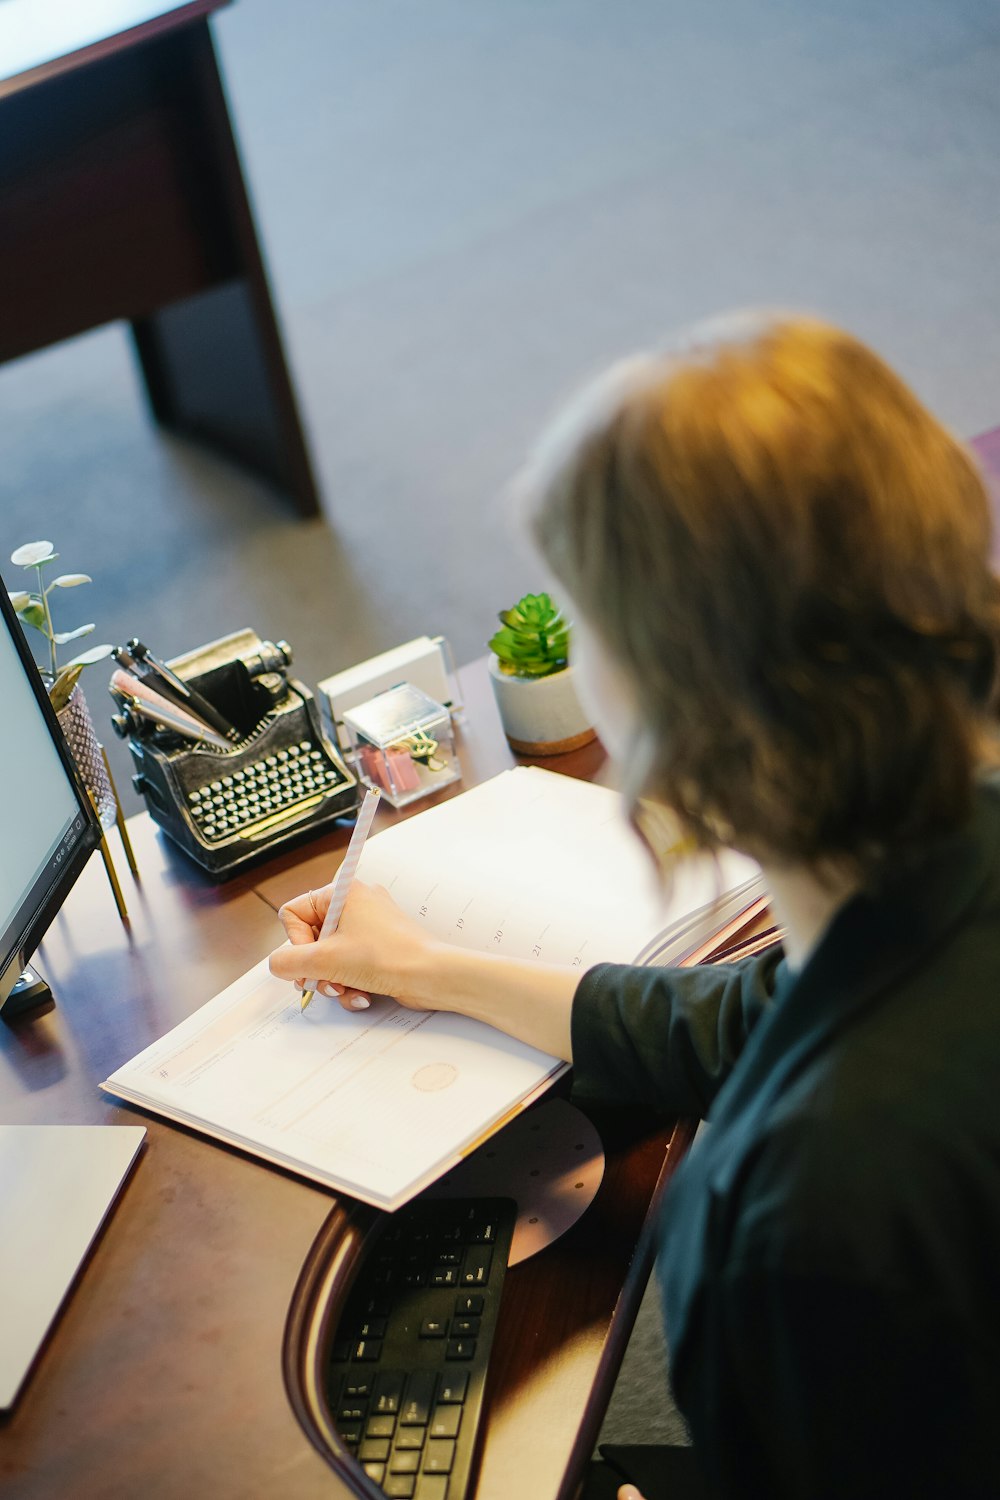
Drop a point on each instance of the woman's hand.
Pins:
(376, 949)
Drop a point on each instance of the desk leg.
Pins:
(209, 374)
(213, 363)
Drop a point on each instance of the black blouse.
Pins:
(829, 1253)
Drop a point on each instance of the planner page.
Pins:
(533, 864)
(375, 1103)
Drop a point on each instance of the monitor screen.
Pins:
(47, 827)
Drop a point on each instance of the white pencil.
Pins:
(344, 879)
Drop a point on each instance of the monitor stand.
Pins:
(30, 993)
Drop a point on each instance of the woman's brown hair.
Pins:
(788, 555)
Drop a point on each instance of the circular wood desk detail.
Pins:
(556, 1352)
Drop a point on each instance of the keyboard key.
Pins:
(375, 1450)
(410, 1439)
(470, 1305)
(384, 1427)
(460, 1349)
(416, 1406)
(444, 1276)
(388, 1391)
(483, 1234)
(375, 1471)
(439, 1456)
(361, 1388)
(433, 1328)
(464, 1328)
(367, 1350)
(476, 1270)
(453, 1387)
(445, 1422)
(432, 1487)
(404, 1462)
(351, 1413)
(399, 1486)
(372, 1328)
(350, 1435)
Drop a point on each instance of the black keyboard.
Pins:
(408, 1362)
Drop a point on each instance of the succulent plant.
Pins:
(533, 640)
(32, 607)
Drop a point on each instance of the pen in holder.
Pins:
(262, 775)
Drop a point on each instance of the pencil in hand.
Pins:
(344, 879)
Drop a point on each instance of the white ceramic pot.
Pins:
(541, 715)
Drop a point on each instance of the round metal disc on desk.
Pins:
(549, 1160)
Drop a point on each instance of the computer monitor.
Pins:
(48, 828)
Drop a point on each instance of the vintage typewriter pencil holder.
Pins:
(226, 804)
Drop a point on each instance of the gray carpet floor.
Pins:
(466, 210)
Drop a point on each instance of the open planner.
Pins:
(379, 1103)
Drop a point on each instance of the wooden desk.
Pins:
(163, 1377)
(122, 197)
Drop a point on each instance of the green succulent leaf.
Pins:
(31, 554)
(19, 599)
(503, 640)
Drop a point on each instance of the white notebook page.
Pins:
(533, 864)
(371, 1101)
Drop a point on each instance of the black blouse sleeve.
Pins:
(665, 1039)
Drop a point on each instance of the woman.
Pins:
(788, 631)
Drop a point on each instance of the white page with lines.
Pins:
(532, 864)
(380, 1102)
(374, 1102)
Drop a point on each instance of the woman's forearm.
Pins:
(530, 1001)
(377, 950)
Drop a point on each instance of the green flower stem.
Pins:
(49, 631)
